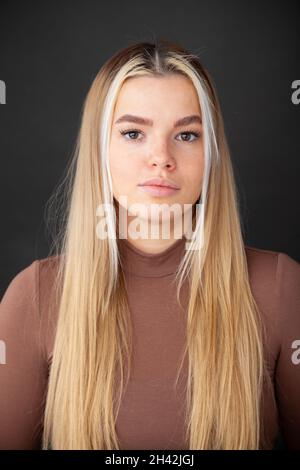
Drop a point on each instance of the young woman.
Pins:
(120, 341)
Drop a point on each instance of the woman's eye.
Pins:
(195, 134)
(132, 131)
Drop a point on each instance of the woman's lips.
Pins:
(158, 190)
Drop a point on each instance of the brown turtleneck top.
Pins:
(152, 410)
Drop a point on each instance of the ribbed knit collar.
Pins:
(140, 263)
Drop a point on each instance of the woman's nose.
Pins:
(162, 159)
(168, 164)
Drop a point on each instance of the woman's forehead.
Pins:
(174, 96)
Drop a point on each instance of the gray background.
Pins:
(50, 53)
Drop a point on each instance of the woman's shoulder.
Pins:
(47, 270)
(275, 282)
(274, 276)
(49, 264)
(264, 263)
(29, 305)
(30, 274)
(32, 286)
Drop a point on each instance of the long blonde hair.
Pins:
(226, 366)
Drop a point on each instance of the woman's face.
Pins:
(157, 148)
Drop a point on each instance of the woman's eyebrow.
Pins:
(194, 118)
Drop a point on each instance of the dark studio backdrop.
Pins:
(50, 53)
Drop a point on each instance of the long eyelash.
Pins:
(195, 133)
(127, 131)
